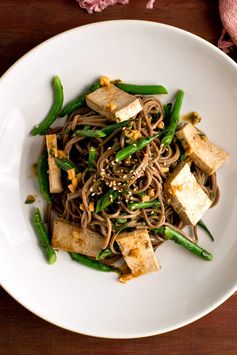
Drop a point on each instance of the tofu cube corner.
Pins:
(113, 103)
(138, 252)
(205, 154)
(186, 196)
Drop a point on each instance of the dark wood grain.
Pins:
(23, 25)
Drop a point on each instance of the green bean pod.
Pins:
(43, 237)
(66, 164)
(113, 127)
(94, 264)
(137, 205)
(92, 158)
(104, 253)
(78, 101)
(42, 175)
(201, 224)
(90, 133)
(134, 147)
(142, 89)
(178, 238)
(54, 111)
(106, 200)
(173, 120)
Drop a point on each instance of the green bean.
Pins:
(104, 253)
(204, 227)
(169, 131)
(54, 111)
(112, 127)
(167, 110)
(178, 238)
(43, 237)
(121, 220)
(66, 164)
(106, 200)
(42, 174)
(90, 133)
(183, 156)
(134, 147)
(147, 204)
(92, 158)
(142, 89)
(94, 264)
(78, 101)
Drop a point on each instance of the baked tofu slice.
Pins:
(55, 183)
(69, 237)
(138, 252)
(187, 197)
(206, 155)
(113, 103)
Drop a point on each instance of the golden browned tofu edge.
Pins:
(55, 183)
(70, 237)
(199, 156)
(171, 191)
(138, 253)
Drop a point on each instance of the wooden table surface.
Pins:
(23, 25)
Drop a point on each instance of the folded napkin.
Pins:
(99, 5)
(228, 14)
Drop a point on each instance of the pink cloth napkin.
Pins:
(228, 14)
(99, 5)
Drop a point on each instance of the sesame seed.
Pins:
(134, 144)
(93, 194)
(109, 148)
(91, 189)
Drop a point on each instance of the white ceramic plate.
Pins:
(70, 295)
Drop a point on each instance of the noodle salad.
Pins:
(121, 174)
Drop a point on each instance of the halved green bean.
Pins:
(90, 133)
(204, 227)
(94, 264)
(134, 147)
(43, 237)
(78, 101)
(178, 238)
(106, 200)
(142, 89)
(43, 178)
(173, 120)
(66, 164)
(104, 253)
(92, 158)
(137, 205)
(54, 111)
(112, 127)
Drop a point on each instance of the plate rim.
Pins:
(191, 35)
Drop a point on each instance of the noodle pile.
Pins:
(137, 178)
